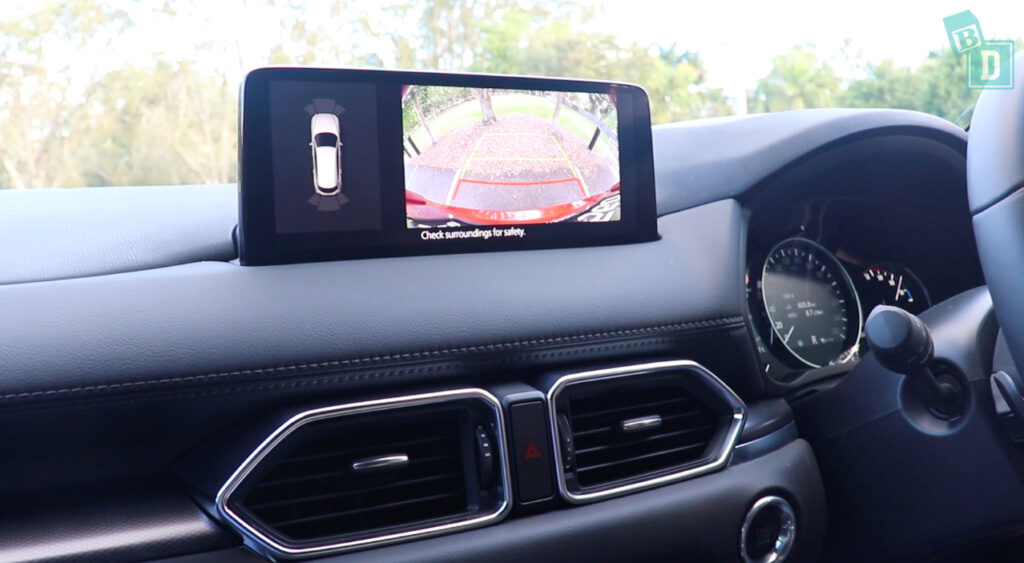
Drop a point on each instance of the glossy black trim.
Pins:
(261, 244)
(113, 521)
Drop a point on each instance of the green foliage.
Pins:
(71, 115)
(534, 42)
(40, 98)
(798, 80)
(175, 130)
(885, 85)
(77, 124)
(936, 87)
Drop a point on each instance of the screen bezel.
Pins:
(260, 243)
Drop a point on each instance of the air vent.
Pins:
(624, 429)
(365, 474)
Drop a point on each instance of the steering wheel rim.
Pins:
(995, 190)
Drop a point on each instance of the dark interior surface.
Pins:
(141, 365)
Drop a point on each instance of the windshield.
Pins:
(325, 140)
(145, 92)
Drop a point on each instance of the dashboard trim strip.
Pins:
(310, 368)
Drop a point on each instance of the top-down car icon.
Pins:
(325, 130)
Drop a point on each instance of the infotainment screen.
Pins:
(339, 163)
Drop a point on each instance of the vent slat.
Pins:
(604, 454)
(407, 444)
(380, 507)
(339, 495)
(645, 439)
(344, 472)
(310, 491)
(634, 406)
(661, 453)
(609, 426)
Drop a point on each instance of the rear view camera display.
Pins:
(479, 156)
(358, 163)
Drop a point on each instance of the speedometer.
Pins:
(810, 302)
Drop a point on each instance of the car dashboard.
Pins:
(147, 375)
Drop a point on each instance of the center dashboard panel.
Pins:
(384, 341)
(136, 373)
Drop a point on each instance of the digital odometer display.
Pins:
(810, 303)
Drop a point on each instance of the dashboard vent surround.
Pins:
(366, 474)
(624, 429)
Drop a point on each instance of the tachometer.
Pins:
(892, 284)
(810, 303)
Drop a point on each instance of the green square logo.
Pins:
(990, 67)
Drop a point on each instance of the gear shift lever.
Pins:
(903, 344)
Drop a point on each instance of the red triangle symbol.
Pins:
(532, 451)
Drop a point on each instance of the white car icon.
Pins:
(325, 130)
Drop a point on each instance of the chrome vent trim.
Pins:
(277, 549)
(719, 459)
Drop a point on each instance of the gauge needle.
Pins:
(898, 288)
(785, 339)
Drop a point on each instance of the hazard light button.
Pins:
(532, 452)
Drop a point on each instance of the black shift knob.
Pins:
(903, 344)
(899, 339)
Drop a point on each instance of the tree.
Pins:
(550, 39)
(70, 121)
(943, 79)
(158, 125)
(40, 96)
(559, 99)
(302, 32)
(937, 87)
(483, 95)
(798, 80)
(535, 42)
(449, 32)
(419, 115)
(884, 85)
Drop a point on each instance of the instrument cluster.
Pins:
(815, 274)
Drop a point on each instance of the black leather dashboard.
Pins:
(69, 233)
(222, 342)
(210, 324)
(129, 339)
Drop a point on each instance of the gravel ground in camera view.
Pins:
(471, 165)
